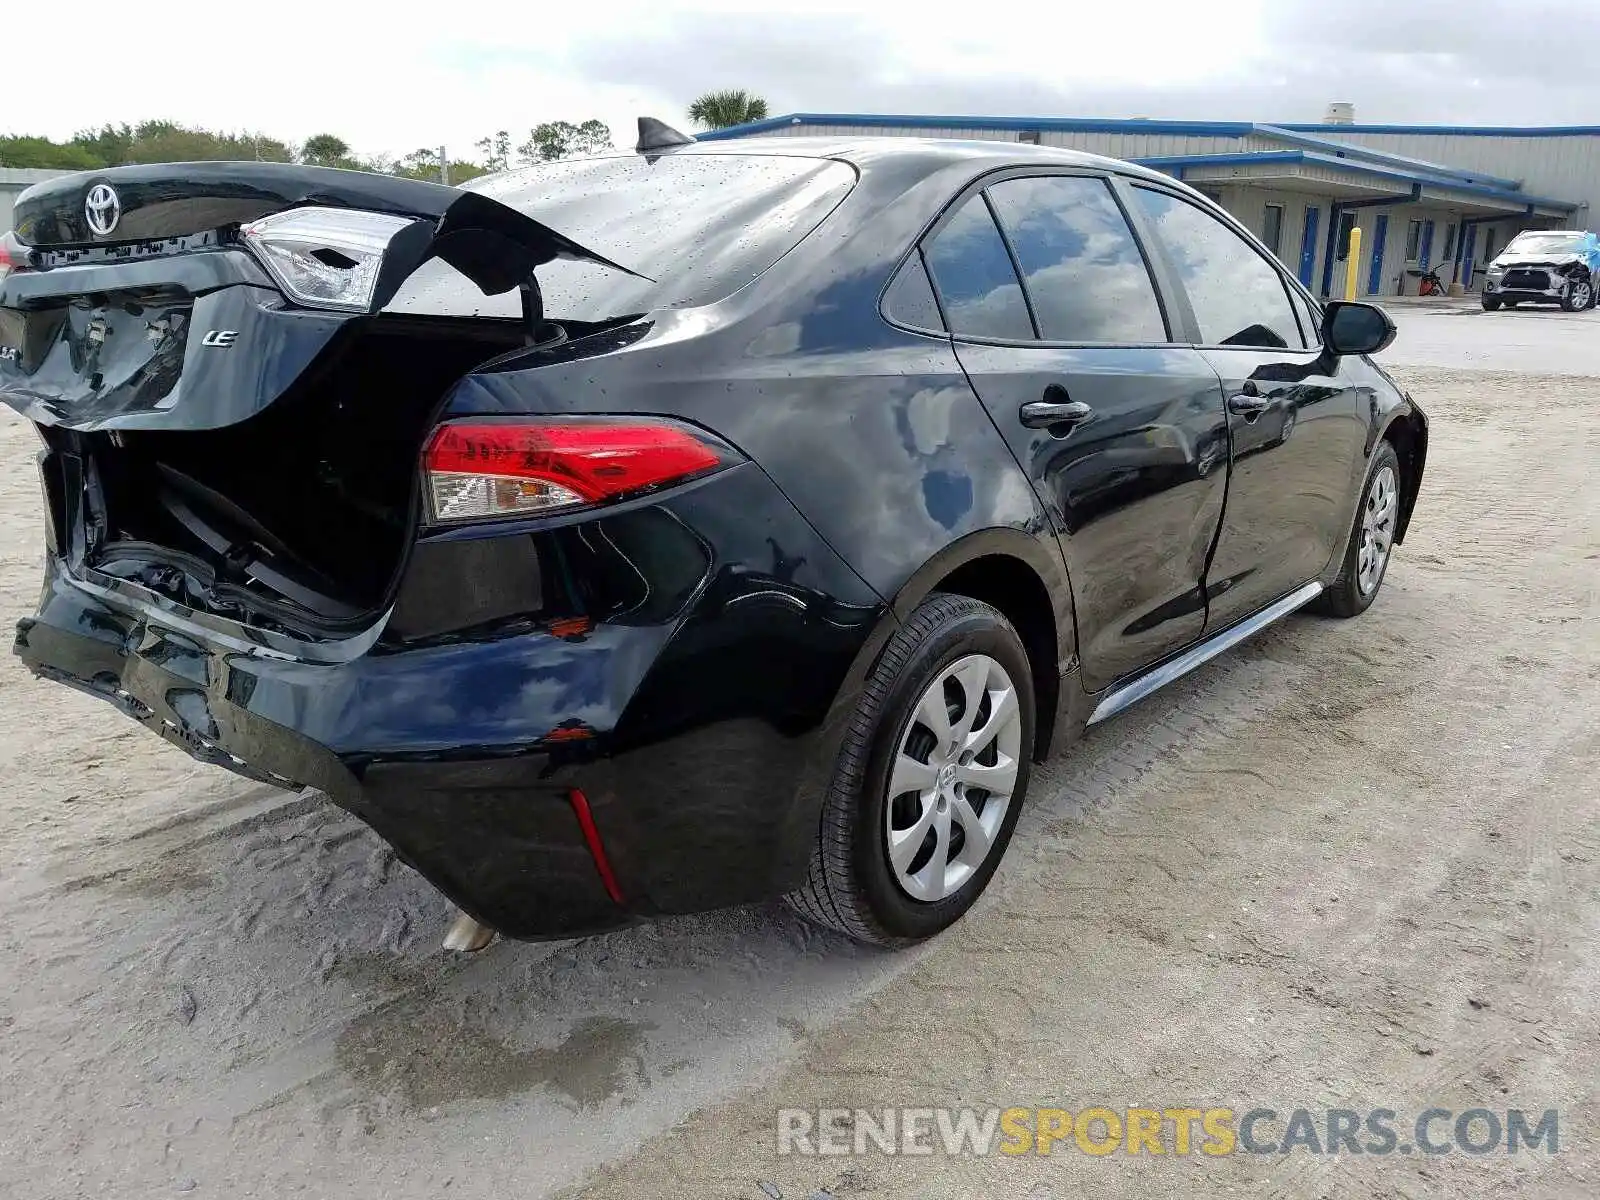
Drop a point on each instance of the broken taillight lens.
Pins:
(478, 469)
(324, 257)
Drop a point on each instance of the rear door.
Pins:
(1297, 422)
(1058, 324)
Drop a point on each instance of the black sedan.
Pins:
(656, 532)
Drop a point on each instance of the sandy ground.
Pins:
(1352, 864)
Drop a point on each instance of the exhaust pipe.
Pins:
(468, 935)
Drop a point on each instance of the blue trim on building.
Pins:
(1250, 158)
(1460, 130)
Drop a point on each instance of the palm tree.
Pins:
(718, 110)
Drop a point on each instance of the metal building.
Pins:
(13, 182)
(1446, 197)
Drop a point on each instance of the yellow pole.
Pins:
(1352, 264)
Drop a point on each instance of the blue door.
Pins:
(1380, 235)
(1308, 247)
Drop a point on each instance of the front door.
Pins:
(1297, 424)
(1122, 433)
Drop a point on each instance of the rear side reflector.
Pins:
(478, 469)
(597, 849)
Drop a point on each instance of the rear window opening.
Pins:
(311, 503)
(694, 228)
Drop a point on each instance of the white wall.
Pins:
(13, 181)
(1249, 205)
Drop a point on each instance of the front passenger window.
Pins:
(1238, 297)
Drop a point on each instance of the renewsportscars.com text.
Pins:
(1100, 1131)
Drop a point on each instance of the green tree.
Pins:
(110, 143)
(424, 164)
(496, 151)
(25, 151)
(563, 139)
(168, 142)
(326, 150)
(419, 164)
(735, 106)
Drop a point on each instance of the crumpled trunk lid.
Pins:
(166, 321)
(215, 441)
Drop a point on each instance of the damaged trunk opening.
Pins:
(235, 413)
(307, 508)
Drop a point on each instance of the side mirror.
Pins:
(1351, 327)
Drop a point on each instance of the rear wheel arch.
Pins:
(1015, 589)
(1014, 574)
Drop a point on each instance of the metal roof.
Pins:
(1340, 163)
(1461, 130)
(1315, 147)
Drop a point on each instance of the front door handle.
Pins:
(1248, 405)
(1047, 414)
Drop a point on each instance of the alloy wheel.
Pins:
(1377, 530)
(954, 776)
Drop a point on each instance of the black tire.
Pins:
(1579, 295)
(1345, 597)
(1490, 303)
(850, 886)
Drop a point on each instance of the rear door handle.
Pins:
(1043, 414)
(1248, 405)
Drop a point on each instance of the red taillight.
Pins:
(13, 255)
(480, 469)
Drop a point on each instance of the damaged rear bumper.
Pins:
(551, 778)
(498, 834)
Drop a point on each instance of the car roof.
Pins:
(866, 151)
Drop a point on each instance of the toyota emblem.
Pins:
(102, 209)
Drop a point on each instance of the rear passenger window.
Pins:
(1239, 299)
(975, 278)
(1083, 270)
(909, 300)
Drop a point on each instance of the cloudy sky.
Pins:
(449, 74)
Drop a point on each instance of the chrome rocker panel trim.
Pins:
(1123, 695)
